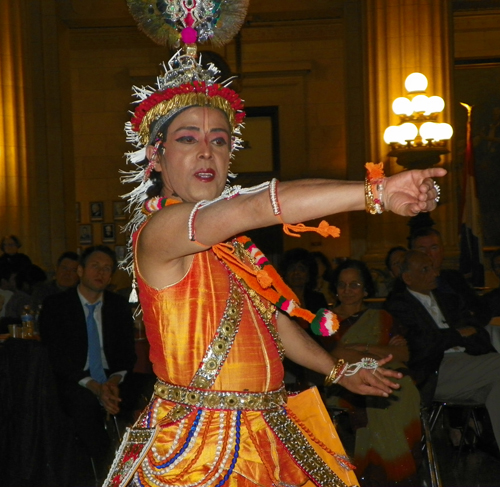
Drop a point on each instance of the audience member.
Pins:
(27, 281)
(7, 288)
(299, 270)
(387, 429)
(451, 357)
(449, 281)
(10, 246)
(66, 276)
(89, 335)
(492, 298)
(393, 261)
(324, 281)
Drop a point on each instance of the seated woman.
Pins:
(387, 430)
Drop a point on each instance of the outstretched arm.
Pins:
(165, 238)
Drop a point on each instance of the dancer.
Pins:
(215, 310)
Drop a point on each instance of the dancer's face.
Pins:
(195, 160)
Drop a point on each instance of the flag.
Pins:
(471, 231)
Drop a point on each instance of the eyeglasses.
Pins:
(351, 285)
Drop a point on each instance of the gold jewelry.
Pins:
(336, 373)
(374, 206)
(374, 181)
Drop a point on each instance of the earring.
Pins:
(152, 161)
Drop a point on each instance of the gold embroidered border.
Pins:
(301, 450)
(222, 342)
(207, 399)
(265, 312)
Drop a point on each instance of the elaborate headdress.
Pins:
(184, 83)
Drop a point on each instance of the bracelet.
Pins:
(273, 196)
(365, 363)
(336, 373)
(374, 181)
(374, 206)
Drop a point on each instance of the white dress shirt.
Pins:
(98, 320)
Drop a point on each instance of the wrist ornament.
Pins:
(336, 373)
(364, 363)
(374, 188)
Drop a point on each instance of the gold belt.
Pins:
(198, 398)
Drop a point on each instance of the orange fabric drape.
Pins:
(14, 215)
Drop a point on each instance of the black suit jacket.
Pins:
(426, 341)
(63, 330)
(451, 281)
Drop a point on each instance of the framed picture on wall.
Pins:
(108, 232)
(259, 158)
(477, 83)
(120, 251)
(96, 211)
(119, 210)
(85, 235)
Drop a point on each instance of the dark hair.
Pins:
(12, 237)
(300, 255)
(398, 248)
(423, 232)
(359, 266)
(30, 275)
(98, 248)
(327, 275)
(67, 255)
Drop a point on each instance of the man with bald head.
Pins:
(449, 281)
(451, 358)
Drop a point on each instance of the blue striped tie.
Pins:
(95, 360)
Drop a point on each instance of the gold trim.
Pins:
(208, 399)
(301, 450)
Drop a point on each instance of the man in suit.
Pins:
(88, 332)
(451, 357)
(66, 276)
(449, 281)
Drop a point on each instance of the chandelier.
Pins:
(419, 140)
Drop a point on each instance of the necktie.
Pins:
(95, 360)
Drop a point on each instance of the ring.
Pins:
(438, 191)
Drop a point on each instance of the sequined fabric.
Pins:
(204, 446)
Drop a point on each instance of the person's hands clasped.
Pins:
(410, 192)
(110, 397)
(374, 382)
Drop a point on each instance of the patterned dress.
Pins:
(220, 415)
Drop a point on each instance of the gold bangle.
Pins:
(374, 206)
(335, 374)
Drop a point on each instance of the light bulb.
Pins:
(407, 131)
(402, 106)
(420, 103)
(428, 131)
(391, 134)
(416, 83)
(445, 131)
(435, 104)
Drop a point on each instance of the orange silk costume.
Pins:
(205, 446)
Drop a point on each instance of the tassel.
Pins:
(133, 298)
(324, 229)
